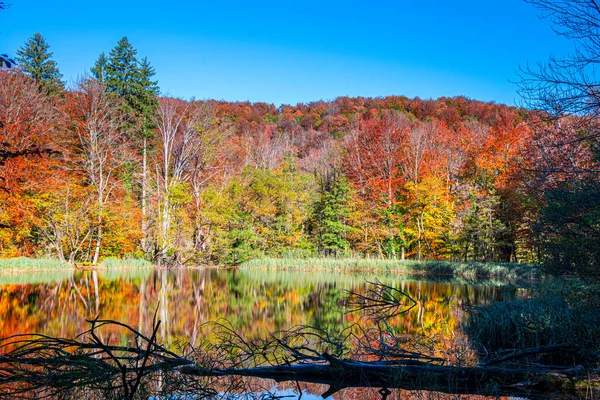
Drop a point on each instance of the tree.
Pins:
(6, 61)
(205, 163)
(328, 222)
(28, 125)
(567, 139)
(99, 69)
(35, 60)
(131, 81)
(372, 163)
(483, 231)
(97, 126)
(121, 69)
(179, 147)
(567, 86)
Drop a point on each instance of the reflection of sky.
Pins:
(289, 52)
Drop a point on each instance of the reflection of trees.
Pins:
(255, 304)
(355, 356)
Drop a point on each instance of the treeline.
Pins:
(135, 173)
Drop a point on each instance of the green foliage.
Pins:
(328, 224)
(484, 233)
(35, 60)
(99, 69)
(570, 226)
(122, 69)
(258, 213)
(131, 80)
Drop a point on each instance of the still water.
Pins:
(255, 303)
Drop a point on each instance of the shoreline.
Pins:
(443, 269)
(492, 270)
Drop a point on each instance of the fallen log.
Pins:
(34, 364)
(487, 381)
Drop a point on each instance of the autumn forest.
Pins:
(160, 246)
(114, 169)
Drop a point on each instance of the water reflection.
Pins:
(254, 302)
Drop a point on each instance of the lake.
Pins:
(255, 303)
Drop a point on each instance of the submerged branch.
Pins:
(489, 381)
(50, 366)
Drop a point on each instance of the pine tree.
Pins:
(35, 60)
(147, 92)
(122, 69)
(131, 80)
(99, 69)
(5, 60)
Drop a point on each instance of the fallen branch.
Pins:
(50, 366)
(488, 381)
(529, 352)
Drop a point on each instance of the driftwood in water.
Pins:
(489, 381)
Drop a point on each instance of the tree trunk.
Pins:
(98, 241)
(489, 381)
(144, 242)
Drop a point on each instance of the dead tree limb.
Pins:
(51, 366)
(488, 381)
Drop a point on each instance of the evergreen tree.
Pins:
(122, 70)
(147, 93)
(35, 60)
(330, 212)
(131, 80)
(99, 69)
(5, 60)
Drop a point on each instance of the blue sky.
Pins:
(289, 52)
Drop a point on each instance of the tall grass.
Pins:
(114, 263)
(550, 319)
(25, 264)
(31, 264)
(435, 268)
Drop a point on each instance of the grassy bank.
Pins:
(437, 268)
(32, 264)
(557, 312)
(115, 263)
(25, 264)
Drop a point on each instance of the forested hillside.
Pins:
(109, 168)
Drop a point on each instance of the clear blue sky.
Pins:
(286, 52)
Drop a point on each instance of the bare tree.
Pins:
(175, 149)
(190, 136)
(566, 148)
(98, 131)
(570, 85)
(206, 161)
